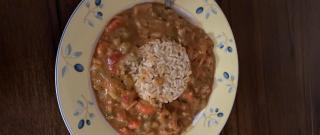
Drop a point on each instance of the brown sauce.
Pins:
(114, 87)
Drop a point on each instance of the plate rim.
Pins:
(57, 61)
(67, 124)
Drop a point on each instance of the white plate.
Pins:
(74, 93)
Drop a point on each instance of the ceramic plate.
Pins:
(76, 99)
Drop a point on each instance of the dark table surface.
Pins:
(279, 54)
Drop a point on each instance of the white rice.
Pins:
(163, 72)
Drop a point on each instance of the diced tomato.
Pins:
(127, 98)
(134, 124)
(101, 49)
(125, 101)
(124, 131)
(112, 60)
(145, 108)
(188, 96)
(121, 116)
(114, 24)
(141, 9)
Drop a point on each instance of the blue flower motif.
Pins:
(220, 114)
(226, 75)
(88, 122)
(99, 15)
(68, 53)
(223, 42)
(228, 80)
(83, 112)
(81, 124)
(217, 110)
(97, 2)
(210, 118)
(199, 10)
(93, 11)
(208, 8)
(78, 68)
(229, 49)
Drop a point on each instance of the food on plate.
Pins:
(152, 71)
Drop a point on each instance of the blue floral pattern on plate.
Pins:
(228, 79)
(94, 10)
(68, 53)
(208, 9)
(223, 42)
(210, 118)
(82, 111)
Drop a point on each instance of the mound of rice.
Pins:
(163, 72)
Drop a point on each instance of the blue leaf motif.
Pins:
(232, 78)
(220, 45)
(91, 115)
(83, 111)
(207, 15)
(213, 11)
(211, 122)
(80, 103)
(217, 110)
(76, 113)
(90, 23)
(88, 122)
(226, 75)
(230, 89)
(91, 103)
(64, 70)
(211, 110)
(199, 10)
(204, 115)
(81, 124)
(79, 110)
(68, 50)
(216, 122)
(76, 54)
